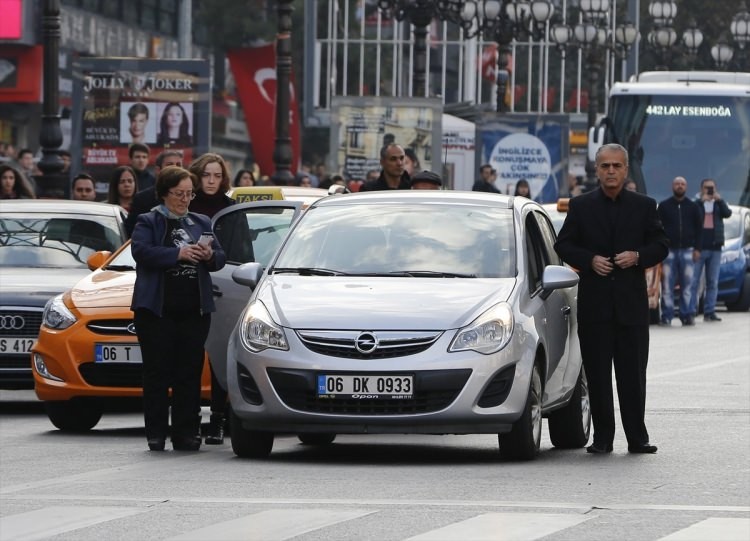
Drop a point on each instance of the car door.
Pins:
(247, 232)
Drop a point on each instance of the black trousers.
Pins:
(172, 351)
(626, 346)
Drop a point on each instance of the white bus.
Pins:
(694, 124)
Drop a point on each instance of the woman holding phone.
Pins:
(210, 197)
(172, 302)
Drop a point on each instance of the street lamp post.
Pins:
(51, 184)
(282, 152)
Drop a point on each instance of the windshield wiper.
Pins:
(431, 274)
(119, 268)
(307, 271)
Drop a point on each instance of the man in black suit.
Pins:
(611, 235)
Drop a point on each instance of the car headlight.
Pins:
(258, 331)
(487, 334)
(728, 257)
(56, 315)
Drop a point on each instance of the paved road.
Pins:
(105, 485)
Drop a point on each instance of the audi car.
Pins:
(409, 312)
(44, 247)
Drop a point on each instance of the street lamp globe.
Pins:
(722, 52)
(662, 12)
(595, 9)
(692, 37)
(740, 26)
(626, 34)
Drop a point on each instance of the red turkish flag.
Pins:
(254, 70)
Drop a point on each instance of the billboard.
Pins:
(164, 104)
(526, 146)
(361, 126)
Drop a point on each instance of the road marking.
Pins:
(55, 520)
(716, 529)
(502, 527)
(272, 525)
(697, 368)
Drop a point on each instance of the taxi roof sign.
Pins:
(246, 194)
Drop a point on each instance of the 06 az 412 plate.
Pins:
(383, 386)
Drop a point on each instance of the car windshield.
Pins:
(418, 240)
(122, 261)
(54, 240)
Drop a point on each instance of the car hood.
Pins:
(34, 286)
(104, 289)
(732, 245)
(315, 302)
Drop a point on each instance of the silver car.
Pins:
(410, 312)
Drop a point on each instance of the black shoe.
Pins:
(688, 321)
(156, 444)
(665, 323)
(711, 317)
(644, 448)
(186, 444)
(215, 434)
(597, 449)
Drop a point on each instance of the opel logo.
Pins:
(366, 342)
(131, 328)
(11, 323)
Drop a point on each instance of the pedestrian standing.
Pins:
(393, 175)
(713, 209)
(611, 235)
(139, 156)
(172, 302)
(486, 180)
(145, 199)
(122, 187)
(682, 223)
(13, 184)
(83, 188)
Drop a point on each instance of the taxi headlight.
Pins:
(258, 331)
(487, 334)
(56, 315)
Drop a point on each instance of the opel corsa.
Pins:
(409, 312)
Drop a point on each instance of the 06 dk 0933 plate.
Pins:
(387, 386)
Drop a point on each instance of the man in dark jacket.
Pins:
(611, 235)
(486, 180)
(682, 223)
(713, 209)
(393, 175)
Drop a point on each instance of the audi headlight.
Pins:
(258, 331)
(487, 334)
(56, 315)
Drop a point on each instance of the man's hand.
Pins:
(626, 259)
(696, 255)
(601, 265)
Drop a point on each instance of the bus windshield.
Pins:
(695, 137)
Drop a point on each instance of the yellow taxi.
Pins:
(307, 196)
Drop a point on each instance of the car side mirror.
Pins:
(248, 274)
(557, 277)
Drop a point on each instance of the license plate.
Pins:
(15, 346)
(117, 353)
(366, 386)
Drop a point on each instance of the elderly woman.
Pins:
(172, 302)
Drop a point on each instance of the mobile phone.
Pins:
(206, 239)
(710, 190)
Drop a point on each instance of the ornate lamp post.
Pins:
(282, 152)
(51, 183)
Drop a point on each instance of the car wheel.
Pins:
(569, 427)
(522, 442)
(73, 415)
(249, 443)
(742, 304)
(317, 439)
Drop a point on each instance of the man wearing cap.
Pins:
(426, 180)
(394, 175)
(486, 181)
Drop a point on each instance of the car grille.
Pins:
(115, 327)
(29, 326)
(112, 375)
(356, 344)
(433, 390)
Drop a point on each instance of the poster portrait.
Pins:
(163, 104)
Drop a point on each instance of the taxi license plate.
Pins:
(15, 346)
(117, 353)
(366, 386)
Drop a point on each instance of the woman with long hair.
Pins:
(244, 177)
(13, 184)
(523, 189)
(123, 185)
(174, 126)
(210, 197)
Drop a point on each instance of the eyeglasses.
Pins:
(606, 165)
(183, 195)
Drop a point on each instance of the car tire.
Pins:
(570, 426)
(249, 443)
(316, 439)
(524, 439)
(742, 304)
(73, 415)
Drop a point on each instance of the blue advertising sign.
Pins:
(530, 147)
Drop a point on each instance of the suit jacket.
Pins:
(595, 225)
